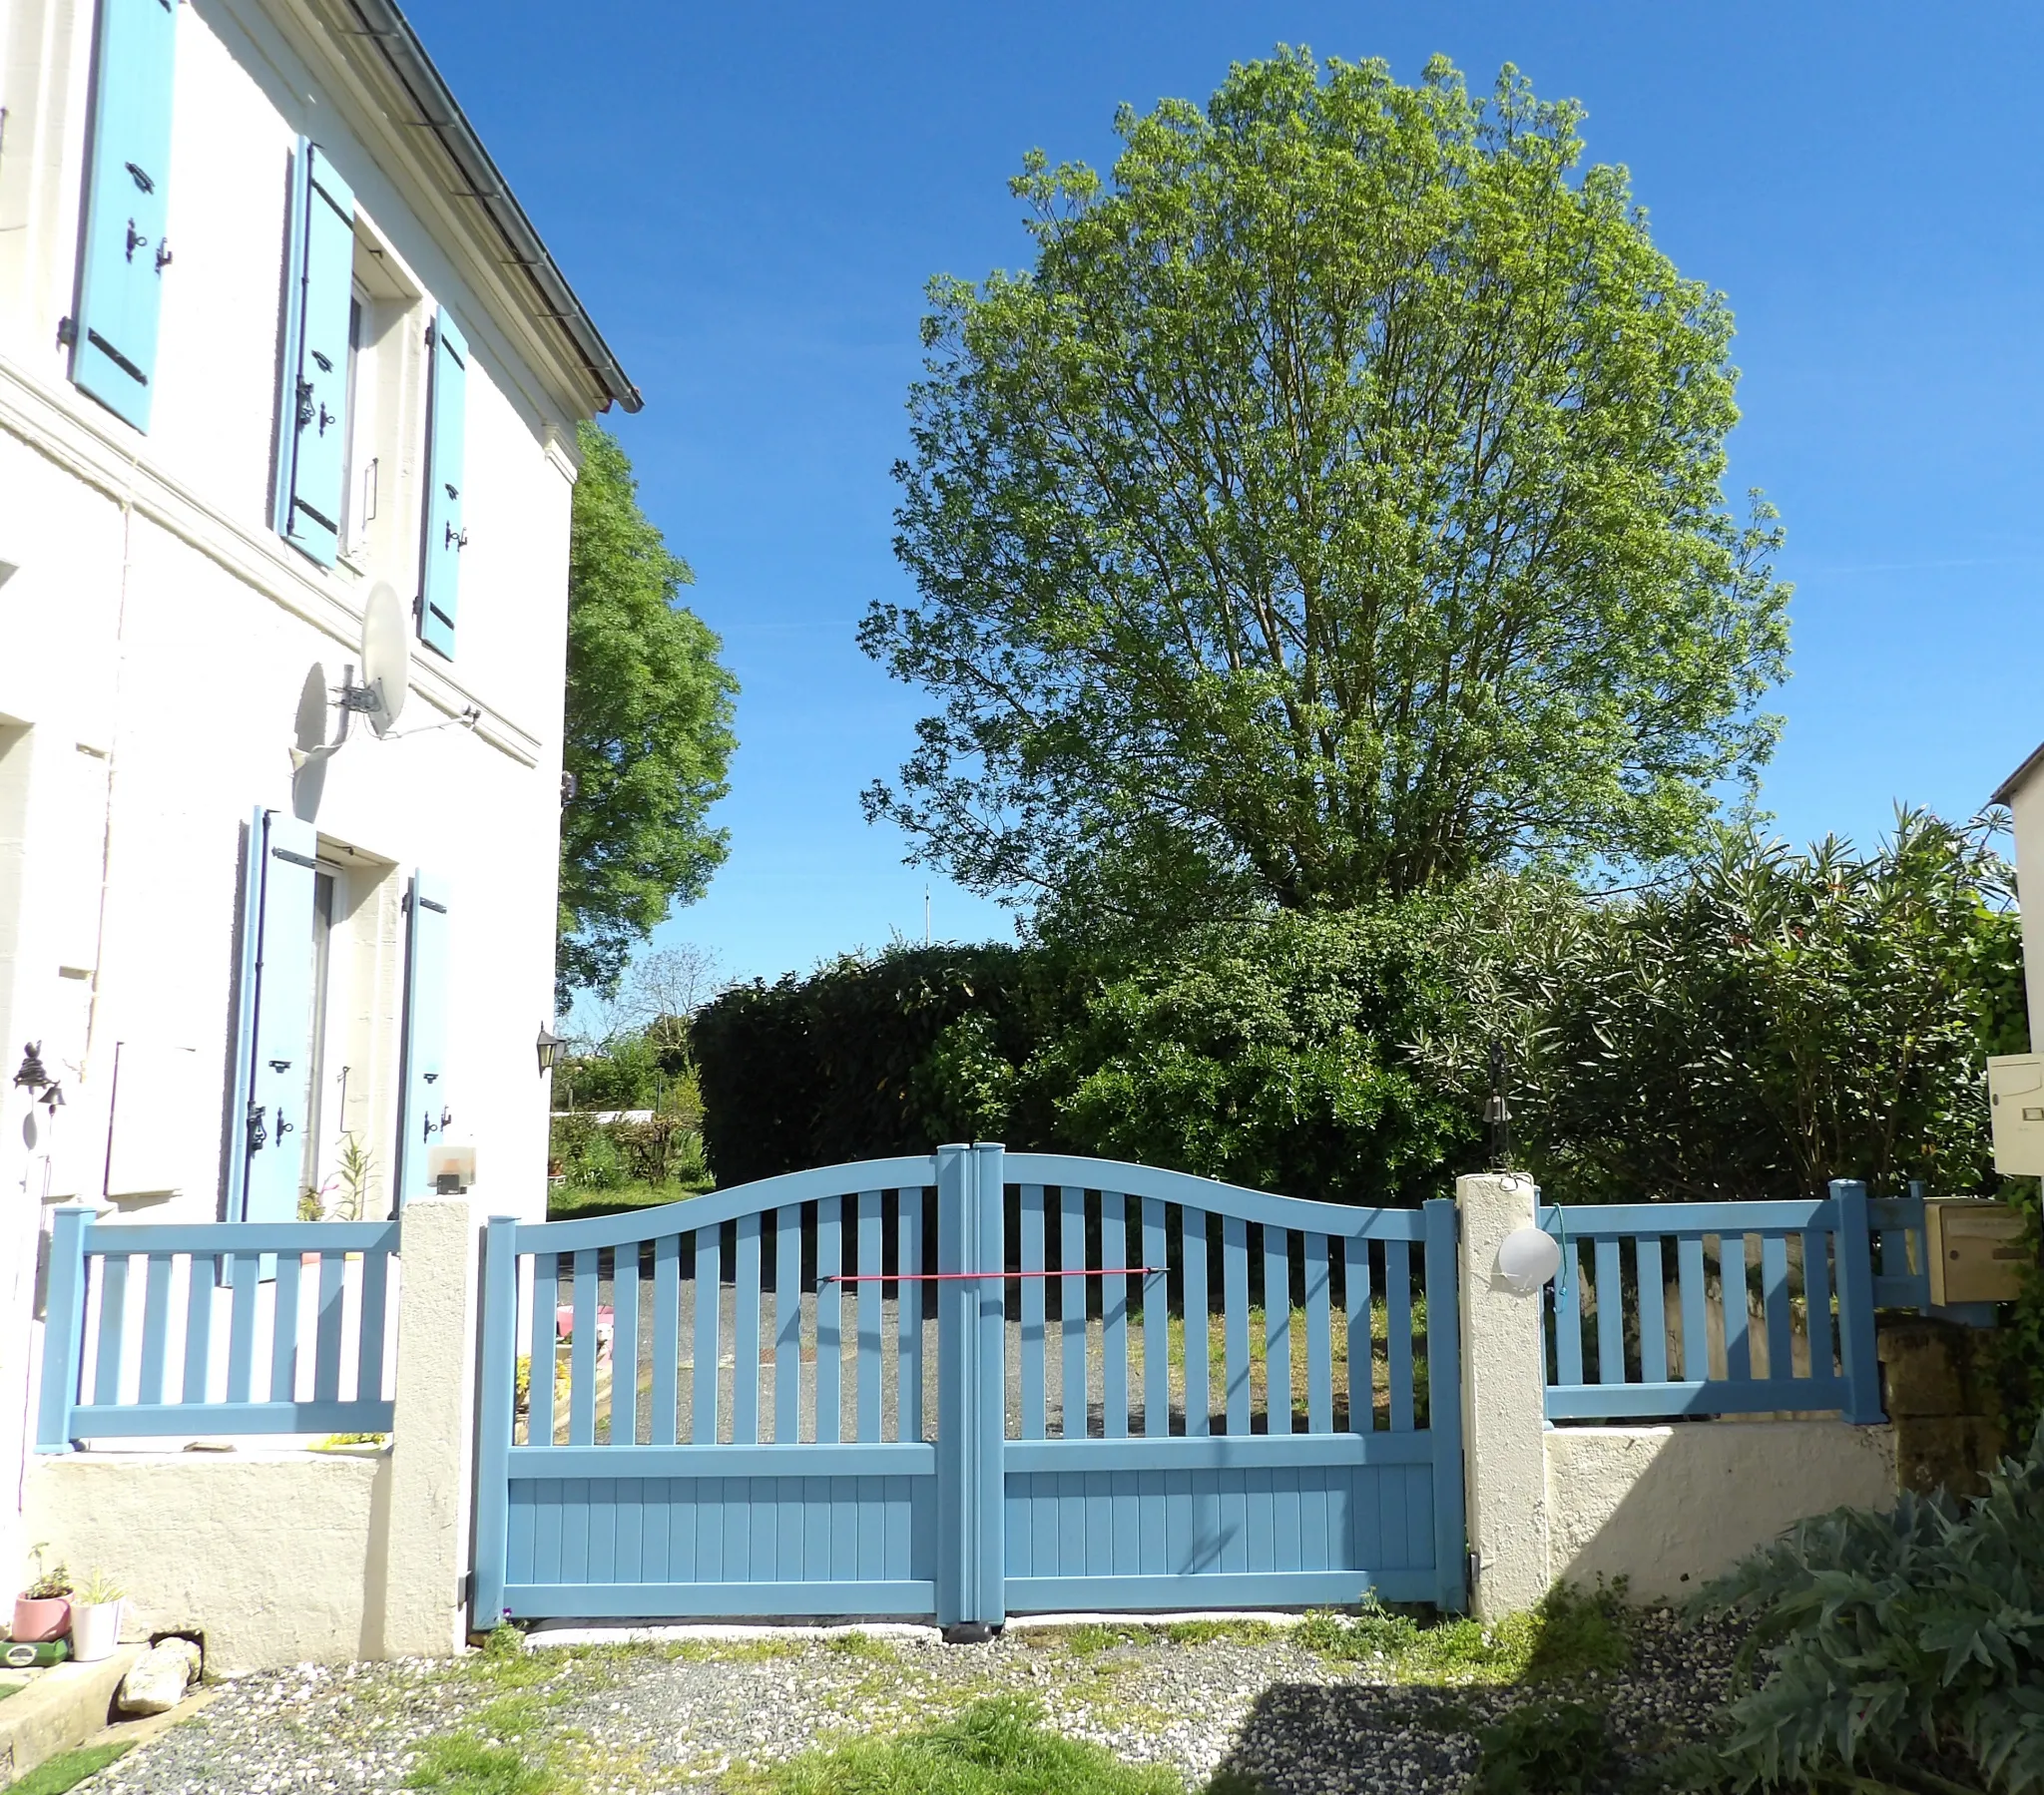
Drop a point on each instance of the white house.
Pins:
(272, 331)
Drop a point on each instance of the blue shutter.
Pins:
(440, 566)
(276, 1140)
(427, 1108)
(113, 354)
(313, 444)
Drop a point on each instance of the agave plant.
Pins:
(1900, 1651)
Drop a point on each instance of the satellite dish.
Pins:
(387, 657)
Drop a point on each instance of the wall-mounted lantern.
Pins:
(549, 1045)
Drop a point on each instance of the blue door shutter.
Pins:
(427, 1107)
(113, 353)
(274, 1141)
(312, 443)
(440, 566)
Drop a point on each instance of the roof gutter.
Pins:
(439, 113)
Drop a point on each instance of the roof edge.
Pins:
(439, 112)
(2005, 792)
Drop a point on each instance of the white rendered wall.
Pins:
(2027, 807)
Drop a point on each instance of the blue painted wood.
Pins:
(375, 1323)
(113, 1329)
(1235, 1320)
(154, 1420)
(745, 1327)
(1712, 1396)
(957, 1347)
(1340, 1220)
(243, 1236)
(623, 1415)
(1114, 1316)
(830, 1319)
(582, 1345)
(1566, 1294)
(1262, 1588)
(1320, 1339)
(1075, 1422)
(1444, 1405)
(1732, 1299)
(909, 1300)
(705, 1294)
(1775, 1305)
(1696, 1326)
(787, 1324)
(246, 1275)
(987, 1198)
(1199, 1379)
(867, 1306)
(156, 1327)
(1362, 1402)
(1610, 1221)
(847, 1459)
(326, 1334)
(1277, 1329)
(1856, 1342)
(667, 1339)
(494, 1422)
(1653, 1311)
(546, 1297)
(284, 1337)
(64, 1328)
(205, 1278)
(1218, 1451)
(1156, 1321)
(1816, 1293)
(906, 1597)
(1033, 1424)
(1610, 1315)
(1399, 1307)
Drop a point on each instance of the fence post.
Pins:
(63, 1328)
(956, 1341)
(1504, 1401)
(1444, 1417)
(498, 1395)
(1858, 1348)
(991, 1398)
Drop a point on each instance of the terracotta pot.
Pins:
(95, 1629)
(35, 1619)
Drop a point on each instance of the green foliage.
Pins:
(68, 1769)
(648, 730)
(1906, 1647)
(994, 1748)
(1332, 508)
(1570, 1633)
(611, 1156)
(1558, 1748)
(464, 1763)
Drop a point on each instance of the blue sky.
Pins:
(749, 196)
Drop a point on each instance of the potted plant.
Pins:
(96, 1619)
(43, 1610)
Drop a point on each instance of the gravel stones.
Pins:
(655, 1720)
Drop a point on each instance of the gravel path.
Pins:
(654, 1720)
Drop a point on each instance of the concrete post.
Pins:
(424, 1553)
(1504, 1417)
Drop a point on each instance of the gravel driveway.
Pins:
(655, 1720)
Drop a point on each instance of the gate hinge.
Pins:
(462, 1586)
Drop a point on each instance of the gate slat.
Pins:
(1114, 1316)
(1032, 1344)
(1277, 1329)
(666, 1338)
(284, 1338)
(624, 1416)
(1320, 1340)
(787, 1324)
(156, 1327)
(198, 1328)
(1568, 1316)
(1156, 1323)
(114, 1327)
(1695, 1336)
(908, 1316)
(867, 1305)
(1235, 1288)
(327, 1338)
(1398, 1306)
(582, 1352)
(539, 1386)
(1199, 1381)
(1653, 1311)
(1731, 1297)
(706, 1298)
(744, 1336)
(1775, 1305)
(830, 1319)
(375, 1319)
(1074, 1422)
(247, 1277)
(1362, 1394)
(1817, 1300)
(1610, 1315)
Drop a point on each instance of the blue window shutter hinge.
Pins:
(66, 331)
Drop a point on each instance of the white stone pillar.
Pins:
(424, 1554)
(1504, 1415)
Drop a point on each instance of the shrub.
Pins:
(1556, 1748)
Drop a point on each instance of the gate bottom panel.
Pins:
(1219, 1528)
(705, 1543)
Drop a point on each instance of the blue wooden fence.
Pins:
(244, 1328)
(1728, 1308)
(1083, 1394)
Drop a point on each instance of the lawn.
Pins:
(567, 1203)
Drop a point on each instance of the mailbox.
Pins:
(1976, 1251)
(2015, 1096)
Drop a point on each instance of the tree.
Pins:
(1332, 510)
(648, 730)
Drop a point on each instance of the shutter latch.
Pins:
(136, 241)
(163, 255)
(259, 1135)
(455, 538)
(141, 179)
(304, 403)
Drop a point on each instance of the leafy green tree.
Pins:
(648, 730)
(1332, 510)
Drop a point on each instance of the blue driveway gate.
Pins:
(967, 1384)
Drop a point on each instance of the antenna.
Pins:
(386, 673)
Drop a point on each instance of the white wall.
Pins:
(157, 635)
(2027, 807)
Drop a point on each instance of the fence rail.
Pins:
(1665, 1310)
(229, 1328)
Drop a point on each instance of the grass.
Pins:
(994, 1748)
(68, 1769)
(567, 1204)
(1572, 1633)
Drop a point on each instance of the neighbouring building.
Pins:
(273, 333)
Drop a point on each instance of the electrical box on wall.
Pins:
(1976, 1251)
(2015, 1099)
(450, 1169)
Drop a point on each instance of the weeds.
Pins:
(1571, 1633)
(1559, 1750)
(68, 1769)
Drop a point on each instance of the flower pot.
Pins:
(37, 1619)
(95, 1629)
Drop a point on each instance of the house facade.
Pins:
(273, 336)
